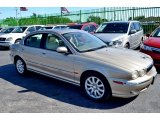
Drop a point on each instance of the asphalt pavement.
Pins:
(39, 94)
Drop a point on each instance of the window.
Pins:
(53, 42)
(92, 28)
(86, 28)
(137, 27)
(31, 29)
(114, 27)
(38, 27)
(57, 27)
(132, 27)
(33, 41)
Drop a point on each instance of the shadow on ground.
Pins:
(55, 89)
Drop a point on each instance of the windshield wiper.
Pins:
(103, 46)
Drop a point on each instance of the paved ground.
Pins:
(36, 93)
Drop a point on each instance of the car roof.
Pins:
(121, 22)
(63, 31)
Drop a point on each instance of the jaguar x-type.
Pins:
(80, 58)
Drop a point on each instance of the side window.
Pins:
(92, 28)
(137, 27)
(38, 27)
(140, 26)
(132, 27)
(53, 42)
(33, 41)
(86, 28)
(31, 29)
(57, 27)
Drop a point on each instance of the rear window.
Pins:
(75, 27)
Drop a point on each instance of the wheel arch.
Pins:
(88, 72)
(16, 57)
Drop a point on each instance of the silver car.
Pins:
(128, 34)
(82, 59)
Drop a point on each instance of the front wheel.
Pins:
(17, 41)
(127, 46)
(20, 66)
(96, 87)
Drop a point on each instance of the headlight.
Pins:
(135, 75)
(145, 47)
(116, 43)
(142, 72)
(9, 39)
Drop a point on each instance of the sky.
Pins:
(11, 11)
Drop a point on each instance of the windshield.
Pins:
(113, 28)
(75, 27)
(19, 30)
(8, 30)
(84, 42)
(156, 33)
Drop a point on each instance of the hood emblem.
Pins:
(144, 57)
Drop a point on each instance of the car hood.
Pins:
(108, 37)
(153, 42)
(120, 57)
(14, 35)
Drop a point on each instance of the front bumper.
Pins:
(5, 44)
(133, 87)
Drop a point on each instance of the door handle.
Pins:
(43, 53)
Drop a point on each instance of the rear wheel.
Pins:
(20, 66)
(96, 87)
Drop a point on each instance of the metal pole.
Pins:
(16, 15)
(80, 13)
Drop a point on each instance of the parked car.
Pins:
(17, 34)
(128, 34)
(151, 46)
(80, 58)
(89, 26)
(54, 27)
(7, 30)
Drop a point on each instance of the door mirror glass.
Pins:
(62, 50)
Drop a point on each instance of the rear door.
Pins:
(33, 52)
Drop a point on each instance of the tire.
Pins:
(127, 46)
(20, 66)
(96, 87)
(18, 40)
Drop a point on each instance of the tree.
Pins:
(139, 18)
(96, 19)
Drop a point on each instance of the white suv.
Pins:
(17, 34)
(128, 34)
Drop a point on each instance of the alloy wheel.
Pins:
(94, 87)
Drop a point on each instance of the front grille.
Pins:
(149, 67)
(2, 39)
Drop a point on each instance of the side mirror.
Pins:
(62, 50)
(147, 35)
(132, 31)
